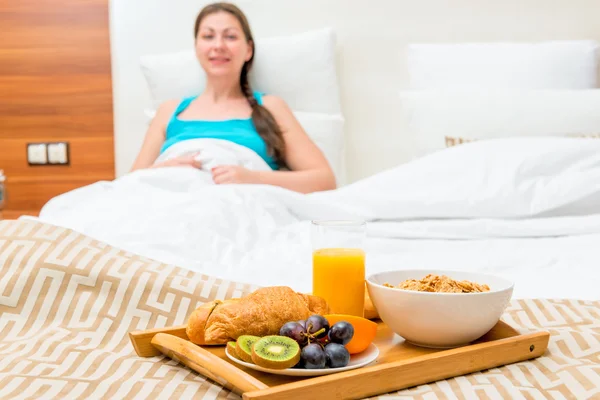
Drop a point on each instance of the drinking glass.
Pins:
(339, 265)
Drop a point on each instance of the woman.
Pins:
(229, 109)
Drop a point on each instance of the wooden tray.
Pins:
(400, 365)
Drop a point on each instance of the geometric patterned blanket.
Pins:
(67, 303)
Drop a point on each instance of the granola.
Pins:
(440, 284)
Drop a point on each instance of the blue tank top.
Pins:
(240, 131)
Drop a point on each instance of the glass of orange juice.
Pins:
(339, 265)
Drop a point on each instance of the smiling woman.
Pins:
(229, 109)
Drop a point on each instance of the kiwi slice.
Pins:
(231, 349)
(276, 352)
(243, 348)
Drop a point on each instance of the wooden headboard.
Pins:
(56, 85)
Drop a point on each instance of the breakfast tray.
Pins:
(400, 364)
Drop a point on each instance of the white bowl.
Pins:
(440, 320)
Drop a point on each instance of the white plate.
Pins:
(356, 361)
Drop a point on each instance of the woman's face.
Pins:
(221, 46)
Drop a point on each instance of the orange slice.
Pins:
(364, 331)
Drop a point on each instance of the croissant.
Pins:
(261, 313)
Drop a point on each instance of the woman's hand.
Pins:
(183, 161)
(232, 174)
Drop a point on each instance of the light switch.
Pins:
(36, 153)
(58, 153)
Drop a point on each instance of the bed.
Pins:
(144, 250)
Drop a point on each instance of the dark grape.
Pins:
(337, 355)
(303, 323)
(315, 323)
(295, 331)
(341, 332)
(313, 356)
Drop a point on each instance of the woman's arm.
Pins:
(310, 170)
(155, 136)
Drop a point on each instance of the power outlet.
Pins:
(58, 153)
(37, 154)
(53, 153)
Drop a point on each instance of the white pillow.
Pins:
(326, 130)
(299, 68)
(432, 115)
(544, 65)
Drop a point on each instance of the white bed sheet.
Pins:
(527, 210)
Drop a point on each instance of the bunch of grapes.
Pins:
(322, 346)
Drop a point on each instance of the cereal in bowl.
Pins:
(440, 284)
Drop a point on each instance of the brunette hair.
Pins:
(263, 120)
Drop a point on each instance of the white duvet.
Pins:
(527, 209)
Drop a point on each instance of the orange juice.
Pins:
(339, 278)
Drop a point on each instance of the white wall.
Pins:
(371, 36)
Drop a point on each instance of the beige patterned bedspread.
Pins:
(67, 303)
